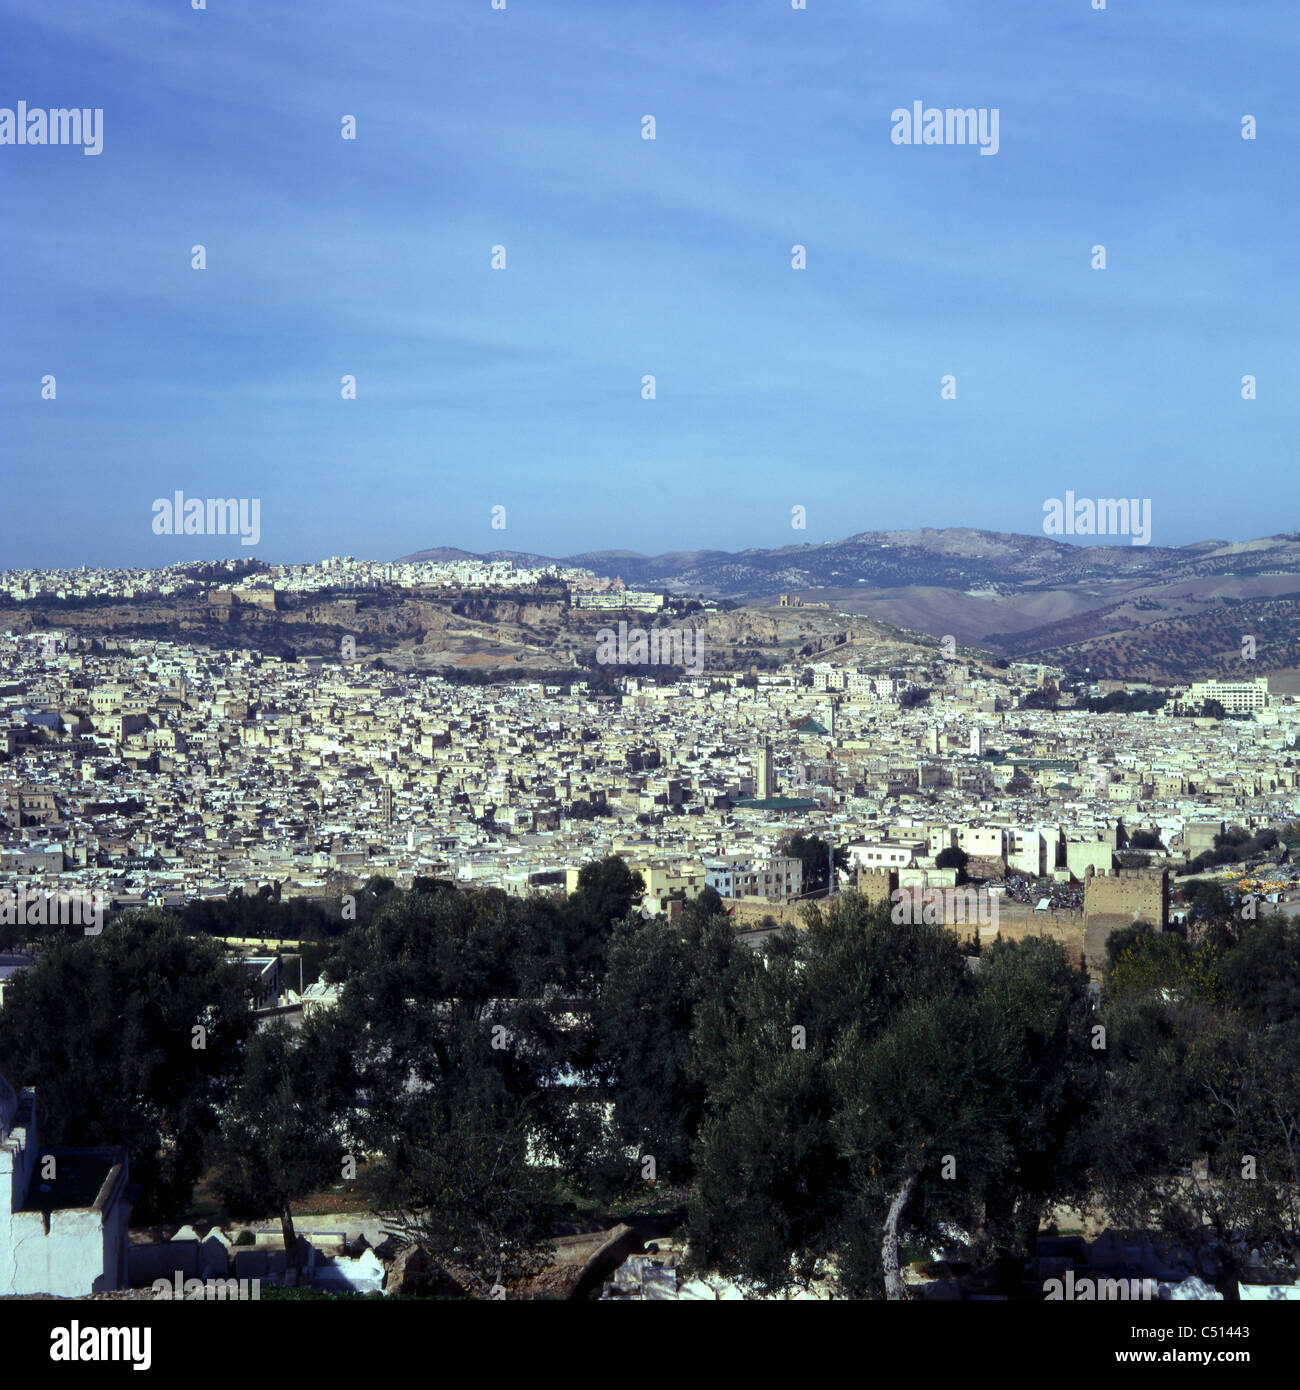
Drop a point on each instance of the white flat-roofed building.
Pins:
(1236, 697)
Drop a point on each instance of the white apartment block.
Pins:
(1236, 697)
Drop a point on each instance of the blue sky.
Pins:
(522, 388)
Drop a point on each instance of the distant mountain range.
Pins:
(1167, 612)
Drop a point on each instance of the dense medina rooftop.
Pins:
(176, 769)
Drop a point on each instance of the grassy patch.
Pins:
(206, 1206)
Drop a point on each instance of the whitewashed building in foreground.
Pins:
(64, 1213)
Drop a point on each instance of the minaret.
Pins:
(763, 779)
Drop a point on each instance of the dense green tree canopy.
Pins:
(134, 1037)
(831, 1096)
(865, 1083)
(281, 1137)
(660, 974)
(1203, 1063)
